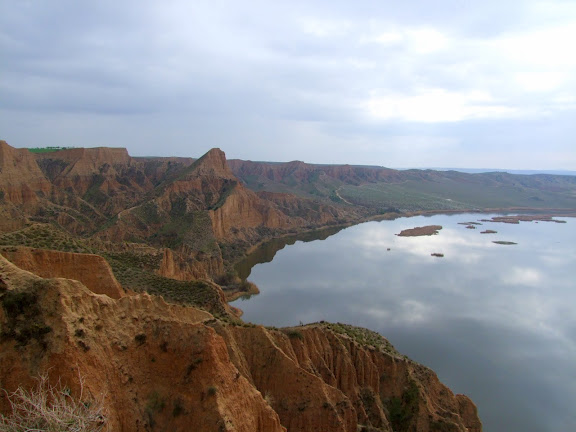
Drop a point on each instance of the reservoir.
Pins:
(496, 322)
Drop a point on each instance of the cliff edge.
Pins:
(164, 367)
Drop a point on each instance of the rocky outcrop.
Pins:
(92, 270)
(205, 205)
(187, 206)
(321, 379)
(243, 211)
(157, 366)
(181, 266)
(21, 180)
(164, 367)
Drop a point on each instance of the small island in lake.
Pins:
(488, 232)
(420, 231)
(504, 242)
(523, 218)
(436, 254)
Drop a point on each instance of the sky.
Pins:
(445, 83)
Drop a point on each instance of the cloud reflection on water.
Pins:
(495, 322)
(453, 243)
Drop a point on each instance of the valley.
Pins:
(127, 266)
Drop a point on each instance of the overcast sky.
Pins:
(409, 83)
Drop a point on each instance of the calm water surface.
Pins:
(495, 322)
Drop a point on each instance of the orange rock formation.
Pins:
(173, 368)
(92, 270)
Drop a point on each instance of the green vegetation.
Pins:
(445, 193)
(24, 318)
(45, 236)
(154, 405)
(47, 149)
(402, 410)
(156, 402)
(136, 271)
(181, 227)
(225, 192)
(94, 195)
(294, 334)
(390, 198)
(363, 336)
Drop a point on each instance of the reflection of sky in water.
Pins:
(495, 322)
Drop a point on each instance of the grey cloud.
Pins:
(259, 64)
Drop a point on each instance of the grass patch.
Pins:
(136, 271)
(45, 236)
(363, 336)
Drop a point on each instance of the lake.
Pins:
(495, 322)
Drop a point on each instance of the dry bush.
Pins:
(52, 408)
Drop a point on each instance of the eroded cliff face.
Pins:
(157, 366)
(92, 270)
(21, 180)
(182, 266)
(204, 206)
(192, 207)
(164, 367)
(323, 377)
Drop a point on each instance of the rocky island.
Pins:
(526, 218)
(420, 231)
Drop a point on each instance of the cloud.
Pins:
(364, 76)
(523, 277)
(419, 40)
(437, 105)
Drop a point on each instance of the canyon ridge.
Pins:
(119, 269)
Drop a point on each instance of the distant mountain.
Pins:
(510, 171)
(389, 190)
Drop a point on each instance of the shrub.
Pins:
(52, 408)
(24, 318)
(295, 334)
(140, 339)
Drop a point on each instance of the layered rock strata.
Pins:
(165, 367)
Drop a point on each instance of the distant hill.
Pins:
(510, 171)
(389, 190)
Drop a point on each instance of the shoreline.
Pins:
(235, 295)
(552, 212)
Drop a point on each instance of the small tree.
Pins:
(52, 408)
